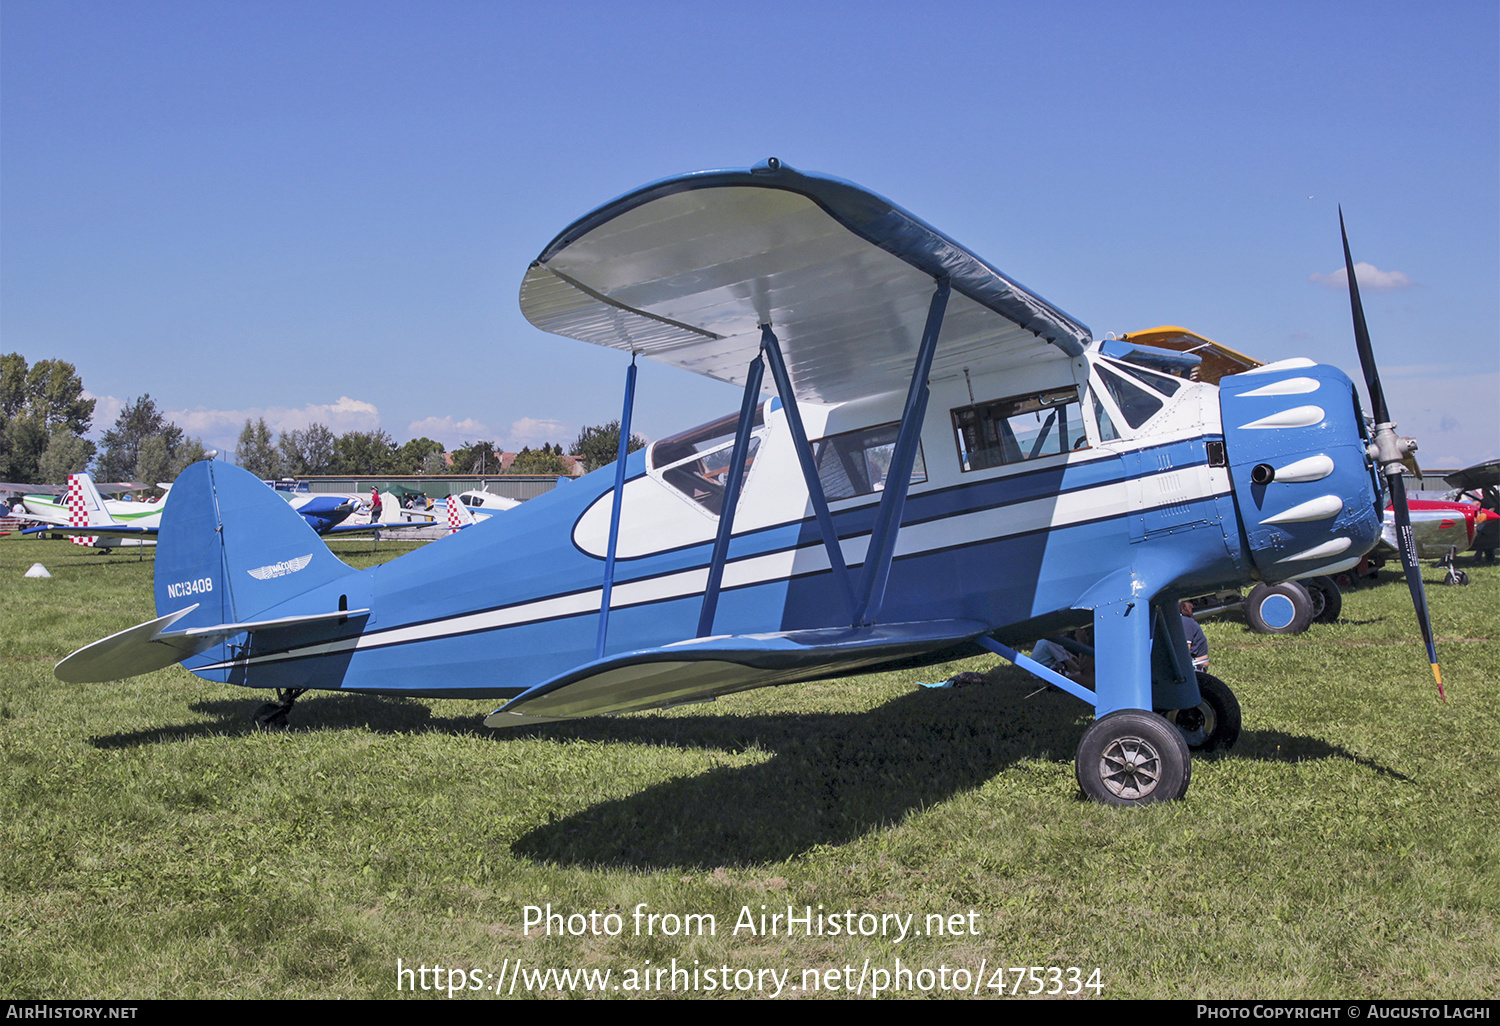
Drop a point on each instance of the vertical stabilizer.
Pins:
(235, 547)
(85, 507)
(459, 515)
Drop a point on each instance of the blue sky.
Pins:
(322, 211)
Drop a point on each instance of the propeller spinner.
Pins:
(1391, 454)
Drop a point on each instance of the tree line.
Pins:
(44, 416)
(316, 450)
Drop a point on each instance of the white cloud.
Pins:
(528, 431)
(1369, 277)
(221, 428)
(451, 431)
(533, 431)
(106, 411)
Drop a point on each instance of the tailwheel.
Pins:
(1133, 757)
(273, 715)
(1214, 722)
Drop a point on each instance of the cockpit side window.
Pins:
(696, 462)
(856, 462)
(1019, 428)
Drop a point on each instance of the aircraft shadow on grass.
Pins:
(830, 779)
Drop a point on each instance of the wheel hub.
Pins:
(1130, 767)
(1196, 724)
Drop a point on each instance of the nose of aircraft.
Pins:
(1303, 483)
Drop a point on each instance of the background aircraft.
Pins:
(950, 463)
(90, 519)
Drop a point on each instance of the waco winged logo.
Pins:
(286, 566)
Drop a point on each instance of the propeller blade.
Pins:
(1392, 454)
(1408, 548)
(1362, 334)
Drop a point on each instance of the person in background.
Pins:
(1072, 666)
(1197, 643)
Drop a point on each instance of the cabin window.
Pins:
(1107, 432)
(1017, 429)
(696, 462)
(856, 462)
(1135, 403)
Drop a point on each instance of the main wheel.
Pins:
(1214, 722)
(1328, 601)
(1133, 757)
(1284, 608)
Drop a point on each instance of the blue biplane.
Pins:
(948, 462)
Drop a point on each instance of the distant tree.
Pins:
(36, 401)
(538, 461)
(478, 458)
(412, 456)
(434, 463)
(138, 421)
(364, 452)
(307, 452)
(256, 452)
(158, 464)
(66, 454)
(598, 446)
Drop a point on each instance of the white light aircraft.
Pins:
(90, 519)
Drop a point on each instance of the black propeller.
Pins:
(1390, 454)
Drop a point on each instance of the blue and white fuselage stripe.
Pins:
(1057, 514)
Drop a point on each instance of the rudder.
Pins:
(235, 547)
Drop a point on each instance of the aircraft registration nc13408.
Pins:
(949, 463)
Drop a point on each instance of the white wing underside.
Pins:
(688, 278)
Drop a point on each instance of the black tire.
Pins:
(1328, 600)
(1133, 757)
(1215, 723)
(1284, 608)
(1456, 577)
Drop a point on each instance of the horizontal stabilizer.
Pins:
(393, 526)
(152, 646)
(705, 668)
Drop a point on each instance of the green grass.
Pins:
(152, 845)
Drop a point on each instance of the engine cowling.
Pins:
(1306, 490)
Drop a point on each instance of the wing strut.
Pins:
(731, 495)
(614, 513)
(772, 349)
(898, 477)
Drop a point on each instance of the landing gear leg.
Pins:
(273, 715)
(1454, 575)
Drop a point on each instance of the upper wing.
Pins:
(687, 269)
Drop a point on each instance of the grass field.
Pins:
(153, 846)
